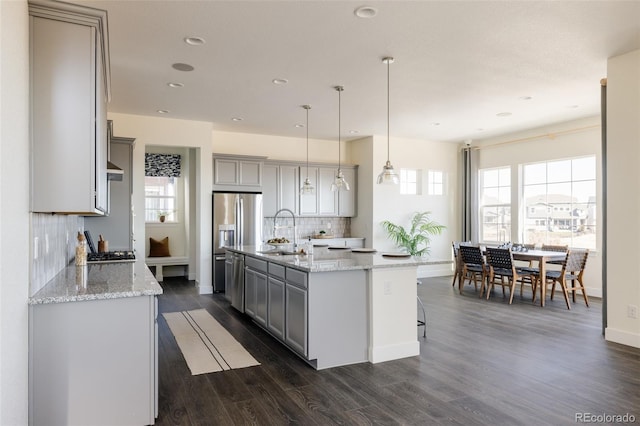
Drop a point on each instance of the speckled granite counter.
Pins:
(98, 281)
(325, 259)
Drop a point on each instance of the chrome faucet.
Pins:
(293, 216)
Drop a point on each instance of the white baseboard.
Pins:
(391, 352)
(204, 289)
(192, 276)
(622, 337)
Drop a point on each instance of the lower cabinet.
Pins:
(275, 301)
(296, 309)
(255, 287)
(94, 362)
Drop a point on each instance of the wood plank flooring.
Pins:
(482, 363)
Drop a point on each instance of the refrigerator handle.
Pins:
(240, 221)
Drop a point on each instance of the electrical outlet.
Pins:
(387, 288)
(632, 311)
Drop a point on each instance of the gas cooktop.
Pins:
(112, 256)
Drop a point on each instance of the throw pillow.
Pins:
(159, 248)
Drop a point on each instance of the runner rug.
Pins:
(205, 344)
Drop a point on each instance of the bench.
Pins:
(159, 262)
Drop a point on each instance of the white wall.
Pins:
(181, 133)
(279, 147)
(564, 140)
(623, 197)
(14, 208)
(381, 202)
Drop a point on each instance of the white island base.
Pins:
(362, 316)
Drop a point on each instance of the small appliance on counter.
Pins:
(112, 256)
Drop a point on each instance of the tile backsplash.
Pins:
(339, 227)
(53, 242)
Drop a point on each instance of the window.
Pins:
(495, 205)
(435, 182)
(161, 198)
(409, 181)
(560, 202)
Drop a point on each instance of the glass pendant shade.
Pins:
(388, 176)
(339, 182)
(307, 188)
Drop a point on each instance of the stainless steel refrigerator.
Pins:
(237, 221)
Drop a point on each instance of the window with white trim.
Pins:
(409, 181)
(161, 198)
(560, 202)
(435, 182)
(495, 204)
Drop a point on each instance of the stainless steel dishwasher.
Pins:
(237, 281)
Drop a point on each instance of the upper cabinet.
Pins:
(70, 86)
(237, 173)
(280, 188)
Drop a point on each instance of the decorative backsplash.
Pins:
(53, 242)
(339, 227)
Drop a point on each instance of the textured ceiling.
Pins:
(457, 63)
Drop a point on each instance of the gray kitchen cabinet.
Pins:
(234, 173)
(94, 362)
(296, 311)
(327, 199)
(309, 202)
(280, 188)
(275, 312)
(347, 199)
(117, 225)
(255, 284)
(69, 71)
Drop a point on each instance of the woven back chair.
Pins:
(456, 259)
(570, 276)
(473, 266)
(552, 247)
(501, 268)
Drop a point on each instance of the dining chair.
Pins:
(553, 247)
(473, 267)
(530, 269)
(456, 259)
(501, 266)
(569, 277)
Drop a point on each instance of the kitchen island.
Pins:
(93, 346)
(336, 306)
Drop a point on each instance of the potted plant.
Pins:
(162, 216)
(416, 239)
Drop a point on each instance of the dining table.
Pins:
(542, 257)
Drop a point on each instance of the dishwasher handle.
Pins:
(221, 257)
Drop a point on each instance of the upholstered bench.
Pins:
(159, 262)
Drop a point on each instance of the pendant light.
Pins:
(388, 175)
(307, 188)
(339, 183)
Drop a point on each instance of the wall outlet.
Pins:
(632, 311)
(387, 288)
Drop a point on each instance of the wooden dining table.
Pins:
(542, 257)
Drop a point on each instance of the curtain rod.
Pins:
(550, 135)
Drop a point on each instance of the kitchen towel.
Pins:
(205, 344)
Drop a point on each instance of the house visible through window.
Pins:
(435, 182)
(409, 181)
(495, 205)
(560, 202)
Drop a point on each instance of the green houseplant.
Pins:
(416, 239)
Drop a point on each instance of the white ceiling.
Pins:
(457, 63)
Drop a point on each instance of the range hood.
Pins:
(114, 172)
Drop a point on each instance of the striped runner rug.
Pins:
(205, 344)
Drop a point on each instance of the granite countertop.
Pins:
(98, 281)
(325, 259)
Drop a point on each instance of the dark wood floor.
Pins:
(482, 363)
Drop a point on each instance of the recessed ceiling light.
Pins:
(573, 106)
(435, 124)
(194, 41)
(366, 12)
(525, 98)
(480, 129)
(175, 85)
(299, 125)
(280, 81)
(163, 111)
(182, 67)
(503, 114)
(354, 132)
(237, 119)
